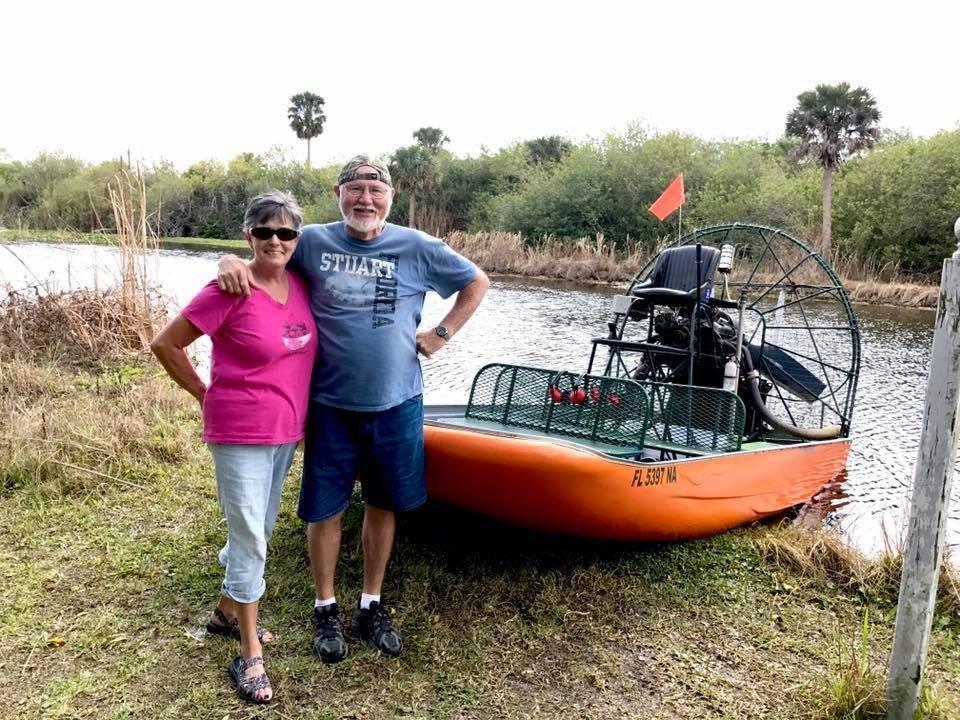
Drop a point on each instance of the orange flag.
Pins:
(671, 199)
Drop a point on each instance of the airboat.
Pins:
(721, 394)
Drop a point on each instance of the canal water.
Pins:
(549, 324)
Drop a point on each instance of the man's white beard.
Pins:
(363, 225)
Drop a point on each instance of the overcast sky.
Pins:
(186, 81)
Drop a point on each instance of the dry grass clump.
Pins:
(26, 382)
(822, 556)
(80, 328)
(948, 597)
(585, 259)
(66, 433)
(871, 282)
(855, 268)
(883, 293)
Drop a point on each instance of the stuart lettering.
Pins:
(357, 265)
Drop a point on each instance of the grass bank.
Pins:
(586, 260)
(109, 528)
(172, 243)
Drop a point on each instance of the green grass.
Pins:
(108, 573)
(175, 243)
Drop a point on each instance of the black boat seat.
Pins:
(674, 277)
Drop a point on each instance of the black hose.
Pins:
(752, 378)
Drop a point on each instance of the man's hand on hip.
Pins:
(428, 342)
(233, 276)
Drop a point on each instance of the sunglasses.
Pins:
(283, 234)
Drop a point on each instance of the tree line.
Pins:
(894, 199)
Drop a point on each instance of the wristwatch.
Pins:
(442, 332)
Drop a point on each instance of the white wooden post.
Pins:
(931, 502)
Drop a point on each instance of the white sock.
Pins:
(323, 603)
(365, 600)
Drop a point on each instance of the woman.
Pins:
(254, 411)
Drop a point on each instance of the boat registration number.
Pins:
(654, 476)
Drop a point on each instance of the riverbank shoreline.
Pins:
(579, 263)
(60, 237)
(110, 526)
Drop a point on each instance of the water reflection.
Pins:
(550, 324)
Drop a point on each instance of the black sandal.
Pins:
(226, 628)
(247, 687)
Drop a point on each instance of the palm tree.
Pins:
(832, 123)
(306, 117)
(430, 138)
(413, 170)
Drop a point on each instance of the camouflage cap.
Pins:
(349, 171)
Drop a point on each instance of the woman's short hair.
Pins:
(272, 204)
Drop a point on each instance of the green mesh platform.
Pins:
(614, 411)
(706, 419)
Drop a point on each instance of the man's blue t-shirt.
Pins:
(366, 296)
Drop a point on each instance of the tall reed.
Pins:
(135, 240)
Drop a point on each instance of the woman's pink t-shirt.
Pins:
(263, 353)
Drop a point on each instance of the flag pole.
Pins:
(680, 223)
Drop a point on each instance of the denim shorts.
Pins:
(249, 481)
(385, 448)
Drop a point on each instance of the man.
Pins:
(367, 283)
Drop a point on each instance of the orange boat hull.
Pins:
(561, 488)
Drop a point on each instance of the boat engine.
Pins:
(755, 302)
(716, 342)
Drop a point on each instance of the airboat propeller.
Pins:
(688, 313)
